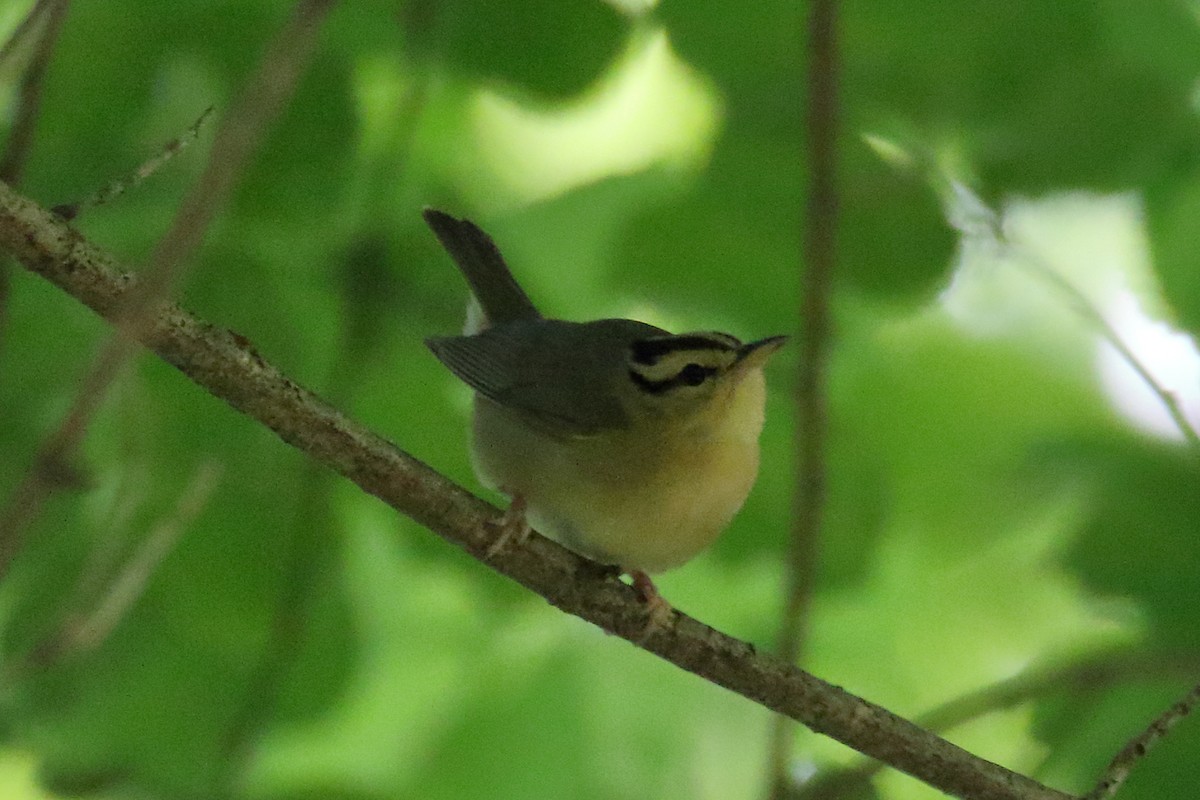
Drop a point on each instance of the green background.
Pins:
(991, 514)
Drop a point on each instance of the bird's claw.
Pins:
(658, 611)
(511, 528)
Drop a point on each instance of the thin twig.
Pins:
(110, 547)
(29, 102)
(86, 631)
(29, 95)
(1037, 265)
(226, 365)
(25, 28)
(53, 456)
(1137, 748)
(119, 186)
(1089, 676)
(979, 220)
(811, 400)
(236, 140)
(131, 581)
(974, 218)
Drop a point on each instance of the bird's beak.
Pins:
(753, 355)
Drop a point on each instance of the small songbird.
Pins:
(630, 445)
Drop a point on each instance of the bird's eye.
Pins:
(693, 374)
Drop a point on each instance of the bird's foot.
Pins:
(511, 528)
(658, 610)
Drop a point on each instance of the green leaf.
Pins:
(550, 48)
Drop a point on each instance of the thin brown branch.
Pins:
(974, 219)
(24, 30)
(119, 186)
(28, 106)
(1087, 677)
(1092, 315)
(29, 95)
(1139, 746)
(237, 138)
(228, 366)
(131, 581)
(85, 631)
(811, 401)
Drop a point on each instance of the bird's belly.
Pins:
(659, 525)
(651, 509)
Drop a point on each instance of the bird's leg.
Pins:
(658, 610)
(512, 527)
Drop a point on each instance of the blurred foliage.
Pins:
(989, 510)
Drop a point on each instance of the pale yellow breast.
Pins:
(642, 498)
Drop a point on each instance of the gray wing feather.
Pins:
(558, 375)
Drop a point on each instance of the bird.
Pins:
(629, 445)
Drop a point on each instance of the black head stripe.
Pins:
(690, 375)
(649, 351)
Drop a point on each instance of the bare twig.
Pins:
(110, 548)
(1137, 748)
(237, 138)
(119, 186)
(24, 30)
(29, 96)
(29, 101)
(1035, 264)
(131, 581)
(227, 366)
(975, 219)
(1089, 676)
(811, 410)
(86, 631)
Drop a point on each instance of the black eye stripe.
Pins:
(690, 375)
(648, 386)
(650, 351)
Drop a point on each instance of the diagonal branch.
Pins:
(228, 366)
(29, 97)
(86, 629)
(28, 106)
(237, 139)
(1136, 749)
(1087, 677)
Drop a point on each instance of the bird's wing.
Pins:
(534, 368)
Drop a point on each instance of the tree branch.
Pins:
(85, 629)
(237, 139)
(1123, 763)
(1087, 677)
(228, 366)
(29, 103)
(29, 97)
